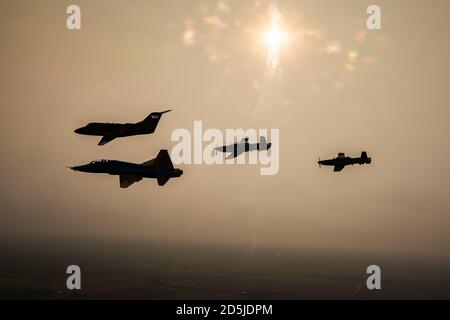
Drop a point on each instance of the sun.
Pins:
(275, 38)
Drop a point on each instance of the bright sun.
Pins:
(275, 38)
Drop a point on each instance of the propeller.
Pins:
(320, 166)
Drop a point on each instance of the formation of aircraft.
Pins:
(111, 131)
(160, 168)
(242, 146)
(341, 161)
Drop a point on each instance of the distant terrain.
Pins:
(137, 270)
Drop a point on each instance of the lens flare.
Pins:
(275, 37)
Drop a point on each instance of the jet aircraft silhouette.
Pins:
(341, 161)
(238, 148)
(160, 168)
(111, 131)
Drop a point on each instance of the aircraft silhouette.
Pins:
(341, 161)
(111, 131)
(160, 168)
(238, 148)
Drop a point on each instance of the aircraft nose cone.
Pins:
(79, 168)
(79, 130)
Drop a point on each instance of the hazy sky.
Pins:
(338, 88)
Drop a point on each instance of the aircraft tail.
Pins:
(365, 158)
(153, 119)
(162, 160)
(263, 145)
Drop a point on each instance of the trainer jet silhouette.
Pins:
(160, 168)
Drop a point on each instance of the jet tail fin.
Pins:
(365, 158)
(163, 159)
(153, 119)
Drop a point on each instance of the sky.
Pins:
(334, 86)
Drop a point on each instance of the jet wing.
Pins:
(105, 140)
(338, 168)
(127, 180)
(232, 155)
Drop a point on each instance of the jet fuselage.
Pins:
(343, 161)
(246, 147)
(115, 129)
(115, 167)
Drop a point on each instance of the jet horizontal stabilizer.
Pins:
(162, 181)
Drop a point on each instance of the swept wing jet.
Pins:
(160, 168)
(111, 131)
(341, 161)
(238, 148)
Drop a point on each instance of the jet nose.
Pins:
(82, 168)
(79, 130)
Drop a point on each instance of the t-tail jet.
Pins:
(111, 131)
(341, 161)
(238, 148)
(160, 168)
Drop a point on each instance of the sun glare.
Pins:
(275, 38)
